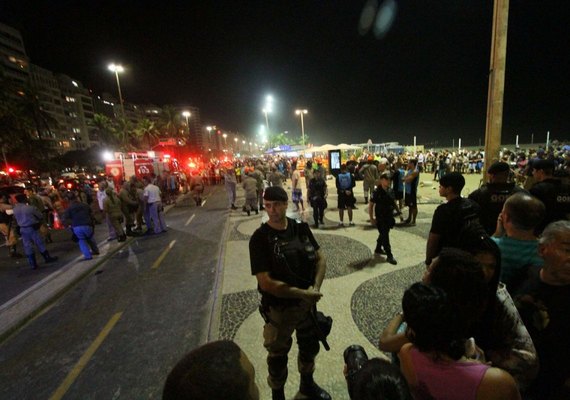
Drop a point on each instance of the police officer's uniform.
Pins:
(289, 256)
(29, 220)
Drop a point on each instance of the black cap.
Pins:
(275, 193)
(497, 167)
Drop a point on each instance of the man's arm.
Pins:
(432, 246)
(283, 290)
(321, 269)
(411, 177)
(371, 212)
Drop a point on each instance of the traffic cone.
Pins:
(56, 221)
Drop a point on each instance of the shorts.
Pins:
(345, 200)
(410, 200)
(297, 195)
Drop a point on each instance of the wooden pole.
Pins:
(496, 82)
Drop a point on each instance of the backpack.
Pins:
(344, 181)
(471, 230)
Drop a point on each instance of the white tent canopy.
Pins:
(326, 147)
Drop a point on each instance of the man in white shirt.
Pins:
(153, 208)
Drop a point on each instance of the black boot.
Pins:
(310, 389)
(122, 238)
(48, 258)
(278, 394)
(32, 261)
(14, 253)
(129, 231)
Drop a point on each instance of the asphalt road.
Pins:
(118, 332)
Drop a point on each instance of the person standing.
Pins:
(129, 204)
(345, 183)
(308, 173)
(370, 175)
(318, 197)
(196, 187)
(448, 218)
(8, 226)
(381, 211)
(551, 191)
(492, 196)
(297, 192)
(36, 201)
(112, 208)
(411, 180)
(290, 269)
(230, 183)
(29, 220)
(153, 206)
(249, 184)
(80, 217)
(276, 177)
(101, 195)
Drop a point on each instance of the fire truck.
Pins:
(139, 164)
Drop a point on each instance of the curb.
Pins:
(18, 311)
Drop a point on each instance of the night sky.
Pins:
(427, 75)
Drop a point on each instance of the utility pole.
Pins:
(496, 89)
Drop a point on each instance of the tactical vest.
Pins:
(294, 260)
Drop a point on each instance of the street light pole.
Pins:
(301, 112)
(186, 115)
(116, 69)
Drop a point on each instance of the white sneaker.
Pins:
(351, 223)
(340, 224)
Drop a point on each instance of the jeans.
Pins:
(86, 243)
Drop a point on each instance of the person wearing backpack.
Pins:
(344, 183)
(451, 219)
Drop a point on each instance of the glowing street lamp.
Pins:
(225, 136)
(118, 69)
(267, 109)
(301, 113)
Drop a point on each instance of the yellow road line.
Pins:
(161, 257)
(74, 373)
(190, 220)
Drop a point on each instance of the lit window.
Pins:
(70, 99)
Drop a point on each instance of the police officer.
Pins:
(382, 204)
(492, 196)
(551, 191)
(290, 268)
(29, 220)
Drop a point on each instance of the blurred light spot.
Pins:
(367, 16)
(385, 18)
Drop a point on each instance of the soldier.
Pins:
(551, 191)
(492, 196)
(290, 268)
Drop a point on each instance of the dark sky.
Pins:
(427, 76)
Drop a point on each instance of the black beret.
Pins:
(275, 193)
(498, 167)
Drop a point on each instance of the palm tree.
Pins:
(104, 129)
(170, 121)
(125, 133)
(146, 131)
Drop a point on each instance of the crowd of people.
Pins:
(133, 208)
(489, 320)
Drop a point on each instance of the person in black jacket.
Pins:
(382, 204)
(79, 216)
